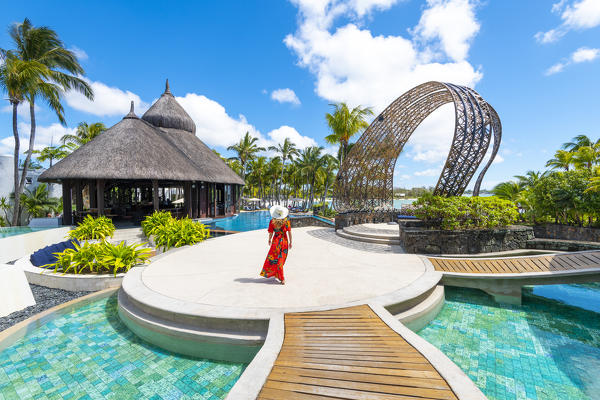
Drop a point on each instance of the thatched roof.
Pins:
(167, 113)
(134, 148)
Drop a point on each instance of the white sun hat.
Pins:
(278, 212)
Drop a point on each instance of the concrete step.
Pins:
(356, 231)
(349, 236)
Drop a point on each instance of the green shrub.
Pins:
(151, 222)
(327, 212)
(93, 228)
(179, 232)
(452, 213)
(99, 258)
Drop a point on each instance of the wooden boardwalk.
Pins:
(513, 265)
(349, 353)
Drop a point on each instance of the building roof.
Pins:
(136, 148)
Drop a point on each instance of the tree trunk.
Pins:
(15, 216)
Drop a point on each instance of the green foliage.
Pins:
(2, 221)
(93, 228)
(563, 196)
(100, 258)
(454, 213)
(152, 222)
(179, 232)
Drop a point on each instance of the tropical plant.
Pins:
(246, 150)
(578, 142)
(311, 163)
(153, 221)
(37, 202)
(345, 123)
(83, 134)
(99, 258)
(287, 151)
(179, 232)
(5, 206)
(508, 190)
(40, 67)
(457, 212)
(93, 228)
(562, 160)
(51, 153)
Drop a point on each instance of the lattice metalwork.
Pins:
(365, 179)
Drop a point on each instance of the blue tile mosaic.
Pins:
(545, 349)
(89, 354)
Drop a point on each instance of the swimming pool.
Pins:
(548, 348)
(89, 354)
(249, 221)
(17, 230)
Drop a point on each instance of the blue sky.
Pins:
(272, 67)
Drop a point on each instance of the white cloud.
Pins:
(44, 136)
(428, 172)
(285, 96)
(352, 65)
(108, 101)
(280, 134)
(582, 14)
(431, 141)
(79, 53)
(582, 54)
(451, 23)
(215, 127)
(22, 110)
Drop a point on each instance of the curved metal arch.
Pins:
(365, 178)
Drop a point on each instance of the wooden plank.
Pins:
(278, 394)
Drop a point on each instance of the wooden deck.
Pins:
(512, 265)
(349, 353)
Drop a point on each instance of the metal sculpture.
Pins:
(365, 178)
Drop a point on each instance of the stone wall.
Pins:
(421, 240)
(300, 222)
(562, 245)
(343, 220)
(566, 232)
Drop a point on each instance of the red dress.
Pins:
(278, 252)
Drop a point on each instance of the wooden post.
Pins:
(78, 196)
(66, 198)
(195, 199)
(155, 194)
(100, 196)
(215, 198)
(187, 198)
(93, 196)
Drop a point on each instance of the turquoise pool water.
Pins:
(89, 354)
(548, 348)
(246, 221)
(17, 230)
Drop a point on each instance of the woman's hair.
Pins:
(278, 223)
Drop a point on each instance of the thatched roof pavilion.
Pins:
(127, 164)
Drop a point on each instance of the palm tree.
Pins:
(51, 70)
(83, 134)
(578, 142)
(246, 150)
(258, 168)
(562, 160)
(345, 123)
(311, 164)
(530, 178)
(586, 156)
(5, 206)
(331, 165)
(508, 190)
(51, 153)
(37, 202)
(287, 151)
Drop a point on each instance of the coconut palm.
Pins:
(330, 165)
(246, 150)
(578, 142)
(586, 156)
(5, 206)
(51, 70)
(508, 190)
(258, 168)
(51, 153)
(562, 160)
(345, 123)
(37, 202)
(530, 178)
(311, 163)
(83, 134)
(287, 151)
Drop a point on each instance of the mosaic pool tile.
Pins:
(90, 354)
(545, 349)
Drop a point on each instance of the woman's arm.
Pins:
(289, 233)
(270, 237)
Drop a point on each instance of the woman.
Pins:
(280, 240)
